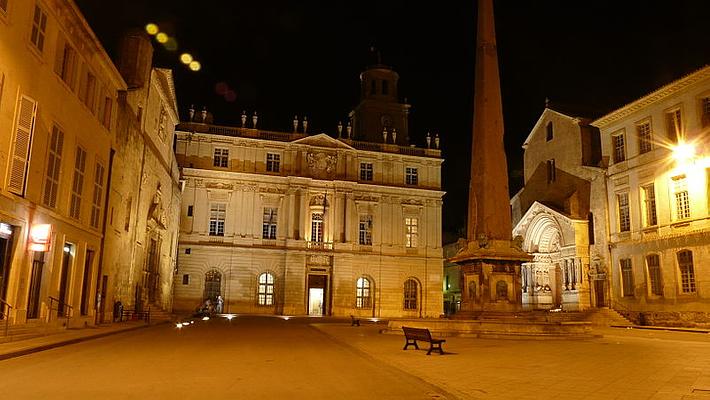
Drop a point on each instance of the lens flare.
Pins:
(152, 29)
(186, 58)
(162, 37)
(195, 65)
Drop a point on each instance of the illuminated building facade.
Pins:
(658, 197)
(58, 118)
(287, 223)
(559, 214)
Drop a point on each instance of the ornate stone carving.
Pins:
(219, 185)
(319, 259)
(321, 164)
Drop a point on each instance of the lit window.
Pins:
(644, 133)
(411, 232)
(365, 171)
(619, 147)
(682, 201)
(54, 165)
(78, 183)
(411, 176)
(627, 277)
(221, 158)
(687, 272)
(365, 237)
(317, 227)
(272, 162)
(362, 294)
(550, 131)
(410, 294)
(96, 204)
(551, 171)
(654, 274)
(649, 204)
(269, 224)
(266, 289)
(624, 219)
(39, 28)
(217, 215)
(674, 124)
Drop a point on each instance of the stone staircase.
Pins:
(597, 317)
(157, 314)
(607, 317)
(29, 330)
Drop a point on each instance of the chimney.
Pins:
(136, 59)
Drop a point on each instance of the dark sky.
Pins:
(303, 57)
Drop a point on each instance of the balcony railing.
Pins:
(320, 245)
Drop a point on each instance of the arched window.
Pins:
(687, 272)
(362, 295)
(266, 289)
(213, 284)
(410, 294)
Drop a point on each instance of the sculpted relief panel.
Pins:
(321, 165)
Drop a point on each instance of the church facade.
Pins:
(291, 224)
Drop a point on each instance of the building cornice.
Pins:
(653, 97)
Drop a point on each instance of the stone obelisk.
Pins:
(490, 262)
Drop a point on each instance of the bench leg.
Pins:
(411, 343)
(438, 347)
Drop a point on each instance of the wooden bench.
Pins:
(411, 335)
(354, 321)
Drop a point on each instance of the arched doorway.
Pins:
(213, 285)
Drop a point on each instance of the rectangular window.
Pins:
(674, 125)
(161, 123)
(551, 171)
(654, 274)
(108, 109)
(188, 250)
(21, 145)
(619, 147)
(218, 213)
(643, 131)
(98, 195)
(627, 277)
(365, 171)
(649, 205)
(624, 220)
(66, 63)
(39, 28)
(705, 110)
(682, 201)
(190, 210)
(77, 189)
(54, 164)
(411, 232)
(185, 279)
(221, 158)
(273, 162)
(411, 176)
(269, 225)
(687, 272)
(88, 91)
(550, 132)
(317, 227)
(365, 230)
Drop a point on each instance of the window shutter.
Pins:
(21, 145)
(59, 55)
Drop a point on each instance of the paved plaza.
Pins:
(273, 357)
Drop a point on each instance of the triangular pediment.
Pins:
(323, 140)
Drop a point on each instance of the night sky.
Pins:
(286, 58)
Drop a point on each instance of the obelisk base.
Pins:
(491, 279)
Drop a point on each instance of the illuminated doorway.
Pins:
(317, 295)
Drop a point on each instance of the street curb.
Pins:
(49, 346)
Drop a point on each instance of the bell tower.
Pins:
(380, 117)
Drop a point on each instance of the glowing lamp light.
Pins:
(40, 235)
(205, 318)
(683, 152)
(67, 248)
(195, 65)
(186, 58)
(229, 316)
(152, 29)
(162, 37)
(178, 325)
